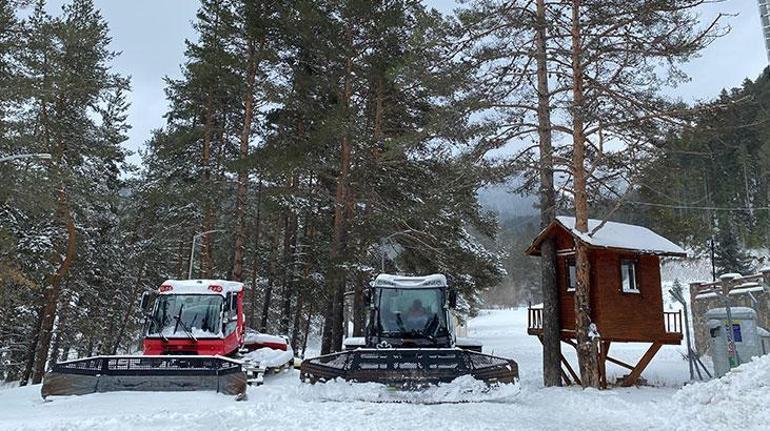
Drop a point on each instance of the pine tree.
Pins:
(259, 42)
(729, 256)
(719, 160)
(75, 112)
(204, 104)
(605, 60)
(511, 42)
(611, 105)
(9, 72)
(370, 88)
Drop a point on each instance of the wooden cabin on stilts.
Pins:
(625, 297)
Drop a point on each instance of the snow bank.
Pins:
(268, 357)
(741, 396)
(284, 403)
(254, 337)
(464, 389)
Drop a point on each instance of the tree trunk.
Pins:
(271, 280)
(378, 114)
(587, 349)
(289, 247)
(129, 311)
(63, 314)
(208, 210)
(254, 271)
(90, 347)
(336, 277)
(182, 255)
(243, 171)
(359, 307)
(266, 306)
(51, 300)
(326, 331)
(549, 286)
(29, 361)
(306, 333)
(296, 323)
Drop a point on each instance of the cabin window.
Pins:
(628, 276)
(571, 275)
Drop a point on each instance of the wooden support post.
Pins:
(618, 362)
(604, 349)
(643, 362)
(564, 375)
(571, 371)
(566, 364)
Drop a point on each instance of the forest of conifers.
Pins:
(309, 145)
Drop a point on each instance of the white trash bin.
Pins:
(749, 339)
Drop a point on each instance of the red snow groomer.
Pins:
(410, 341)
(195, 339)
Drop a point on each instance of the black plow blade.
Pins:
(145, 373)
(408, 367)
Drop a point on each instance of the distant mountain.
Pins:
(506, 204)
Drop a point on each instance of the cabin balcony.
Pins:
(672, 325)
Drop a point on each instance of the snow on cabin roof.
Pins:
(390, 280)
(616, 235)
(200, 287)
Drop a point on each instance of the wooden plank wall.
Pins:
(618, 315)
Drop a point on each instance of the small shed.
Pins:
(626, 296)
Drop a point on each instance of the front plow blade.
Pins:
(145, 373)
(408, 367)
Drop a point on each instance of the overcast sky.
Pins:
(151, 33)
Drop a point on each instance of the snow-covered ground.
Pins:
(284, 403)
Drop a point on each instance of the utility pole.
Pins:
(713, 265)
(192, 249)
(711, 227)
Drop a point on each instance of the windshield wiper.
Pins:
(195, 318)
(425, 332)
(158, 326)
(400, 323)
(179, 321)
(428, 333)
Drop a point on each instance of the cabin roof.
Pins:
(612, 235)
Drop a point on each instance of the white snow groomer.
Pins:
(195, 339)
(410, 341)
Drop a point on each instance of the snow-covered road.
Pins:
(283, 403)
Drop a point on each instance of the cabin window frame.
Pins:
(571, 268)
(634, 263)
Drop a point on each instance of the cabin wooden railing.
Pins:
(673, 321)
(535, 318)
